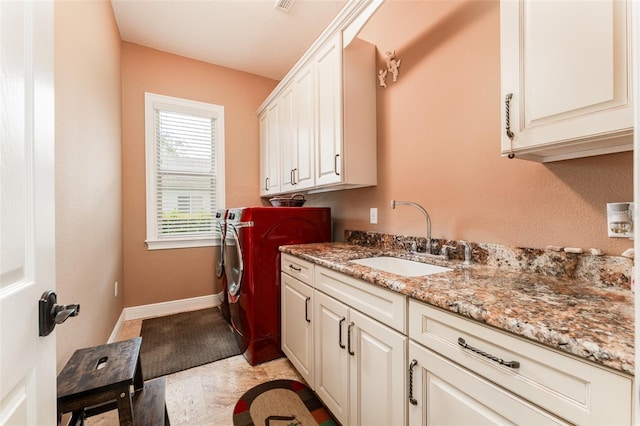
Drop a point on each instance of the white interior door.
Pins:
(636, 146)
(27, 216)
(636, 191)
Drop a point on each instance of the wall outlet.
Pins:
(373, 215)
(115, 289)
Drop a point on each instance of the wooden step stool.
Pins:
(101, 378)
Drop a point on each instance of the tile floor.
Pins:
(206, 395)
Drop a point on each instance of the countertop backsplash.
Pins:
(602, 270)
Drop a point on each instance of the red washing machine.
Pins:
(252, 268)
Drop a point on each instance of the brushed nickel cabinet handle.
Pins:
(510, 364)
(510, 135)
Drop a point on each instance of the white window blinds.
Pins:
(182, 188)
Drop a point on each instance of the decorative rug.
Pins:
(185, 340)
(281, 403)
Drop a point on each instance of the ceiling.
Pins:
(247, 35)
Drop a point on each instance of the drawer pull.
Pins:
(510, 364)
(340, 333)
(510, 135)
(295, 269)
(412, 400)
(351, 324)
(306, 309)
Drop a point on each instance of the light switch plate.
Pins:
(373, 215)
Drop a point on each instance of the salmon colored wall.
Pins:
(88, 172)
(165, 275)
(439, 144)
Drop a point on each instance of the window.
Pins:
(184, 143)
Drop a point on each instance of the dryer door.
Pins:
(218, 248)
(234, 265)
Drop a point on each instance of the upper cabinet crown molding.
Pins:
(353, 16)
(567, 69)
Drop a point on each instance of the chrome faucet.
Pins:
(424, 212)
(467, 252)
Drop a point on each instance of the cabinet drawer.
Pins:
(445, 393)
(574, 390)
(297, 268)
(380, 304)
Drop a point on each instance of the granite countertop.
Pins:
(570, 315)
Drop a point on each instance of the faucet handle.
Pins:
(444, 251)
(467, 252)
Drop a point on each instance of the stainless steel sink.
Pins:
(404, 267)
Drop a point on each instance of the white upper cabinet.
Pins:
(346, 145)
(328, 64)
(304, 141)
(566, 78)
(327, 112)
(269, 151)
(288, 146)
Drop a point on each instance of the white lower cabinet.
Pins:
(347, 339)
(350, 341)
(359, 365)
(521, 374)
(332, 360)
(297, 328)
(444, 393)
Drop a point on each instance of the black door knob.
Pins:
(50, 313)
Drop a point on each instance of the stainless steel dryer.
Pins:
(220, 279)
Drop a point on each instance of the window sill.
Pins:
(176, 243)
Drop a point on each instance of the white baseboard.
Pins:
(164, 308)
(116, 329)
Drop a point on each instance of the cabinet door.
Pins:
(297, 326)
(269, 151)
(287, 138)
(304, 128)
(331, 319)
(445, 393)
(328, 65)
(568, 67)
(377, 373)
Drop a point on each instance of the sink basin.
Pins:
(404, 267)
